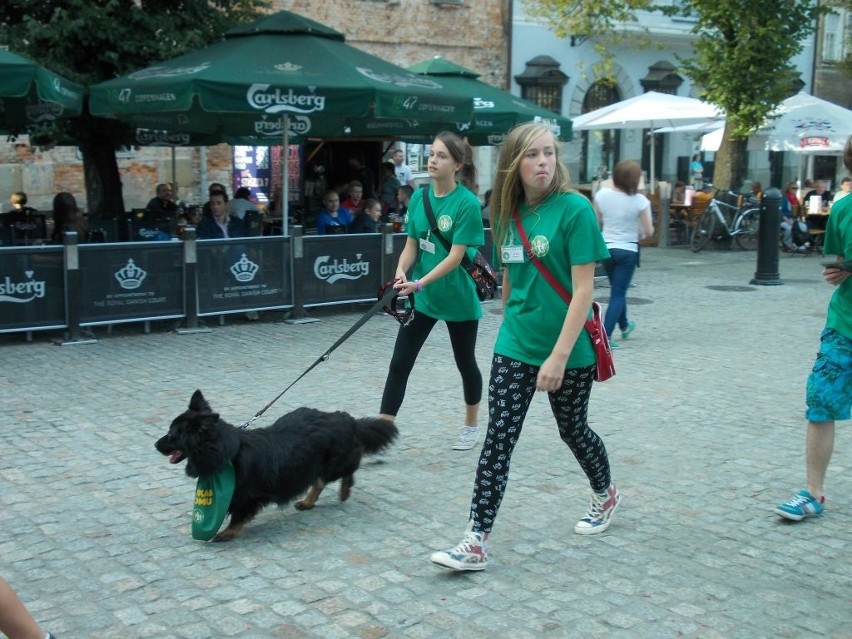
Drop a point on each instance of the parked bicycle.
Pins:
(715, 224)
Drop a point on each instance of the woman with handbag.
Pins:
(542, 344)
(441, 289)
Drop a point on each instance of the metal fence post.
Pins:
(767, 240)
(190, 286)
(388, 256)
(72, 292)
(297, 314)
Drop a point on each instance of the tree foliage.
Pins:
(90, 41)
(741, 53)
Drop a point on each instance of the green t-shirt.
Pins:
(838, 241)
(453, 297)
(562, 231)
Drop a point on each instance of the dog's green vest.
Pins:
(212, 499)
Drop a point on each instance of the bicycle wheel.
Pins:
(703, 231)
(745, 229)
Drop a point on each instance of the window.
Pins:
(542, 82)
(835, 27)
(601, 149)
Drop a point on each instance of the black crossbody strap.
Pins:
(433, 225)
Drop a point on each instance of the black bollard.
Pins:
(767, 239)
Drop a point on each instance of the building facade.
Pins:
(569, 65)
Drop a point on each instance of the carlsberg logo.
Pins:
(21, 292)
(261, 96)
(343, 269)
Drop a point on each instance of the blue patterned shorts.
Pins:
(829, 394)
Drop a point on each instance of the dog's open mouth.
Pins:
(176, 456)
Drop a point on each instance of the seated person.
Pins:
(367, 221)
(219, 225)
(818, 191)
(794, 229)
(354, 201)
(27, 225)
(215, 187)
(67, 217)
(333, 218)
(241, 203)
(403, 195)
(162, 205)
(679, 193)
(388, 186)
(753, 199)
(845, 188)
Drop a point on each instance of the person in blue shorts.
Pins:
(829, 390)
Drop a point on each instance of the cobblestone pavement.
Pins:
(704, 426)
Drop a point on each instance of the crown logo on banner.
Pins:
(131, 276)
(244, 270)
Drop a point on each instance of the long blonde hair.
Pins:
(508, 190)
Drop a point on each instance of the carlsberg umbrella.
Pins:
(32, 96)
(281, 65)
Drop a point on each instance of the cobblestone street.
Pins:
(703, 423)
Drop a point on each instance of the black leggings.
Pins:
(510, 392)
(410, 340)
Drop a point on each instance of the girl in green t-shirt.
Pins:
(542, 344)
(442, 289)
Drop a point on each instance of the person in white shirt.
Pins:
(402, 170)
(623, 213)
(241, 203)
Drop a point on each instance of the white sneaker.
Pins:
(470, 554)
(601, 509)
(468, 436)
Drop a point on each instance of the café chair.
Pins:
(253, 222)
(693, 215)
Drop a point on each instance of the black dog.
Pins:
(305, 449)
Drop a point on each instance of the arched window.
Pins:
(542, 82)
(600, 148)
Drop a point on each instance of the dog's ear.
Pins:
(198, 403)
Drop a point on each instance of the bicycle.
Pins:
(714, 224)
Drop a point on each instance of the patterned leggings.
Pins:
(510, 393)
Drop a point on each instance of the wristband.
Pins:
(418, 285)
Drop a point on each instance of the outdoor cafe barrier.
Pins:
(78, 286)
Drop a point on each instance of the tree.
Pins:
(90, 41)
(741, 58)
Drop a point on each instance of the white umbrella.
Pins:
(650, 110)
(807, 124)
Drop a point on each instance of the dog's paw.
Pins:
(224, 536)
(304, 505)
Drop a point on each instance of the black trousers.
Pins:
(410, 340)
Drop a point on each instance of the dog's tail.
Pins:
(375, 434)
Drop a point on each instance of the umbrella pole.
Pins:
(285, 186)
(653, 161)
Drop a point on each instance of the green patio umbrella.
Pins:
(495, 111)
(282, 75)
(281, 65)
(31, 96)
